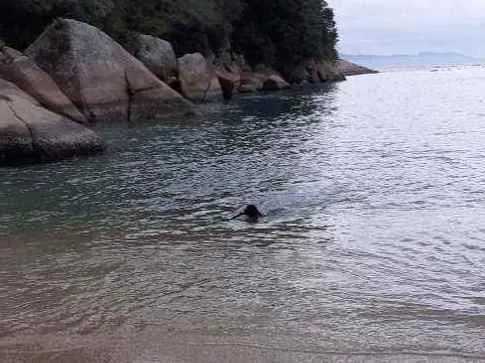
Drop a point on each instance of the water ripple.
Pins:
(373, 231)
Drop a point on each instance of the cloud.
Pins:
(411, 26)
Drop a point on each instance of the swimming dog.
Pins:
(251, 212)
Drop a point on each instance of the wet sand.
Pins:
(160, 345)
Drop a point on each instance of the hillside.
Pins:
(280, 33)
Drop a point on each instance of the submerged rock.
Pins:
(31, 133)
(97, 74)
(196, 80)
(28, 76)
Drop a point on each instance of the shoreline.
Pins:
(132, 344)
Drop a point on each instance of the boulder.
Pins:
(251, 82)
(264, 80)
(196, 80)
(31, 133)
(275, 83)
(157, 55)
(97, 75)
(10, 89)
(28, 76)
(146, 95)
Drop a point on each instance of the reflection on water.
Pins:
(373, 241)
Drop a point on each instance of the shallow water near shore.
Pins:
(372, 248)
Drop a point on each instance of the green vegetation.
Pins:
(284, 32)
(279, 33)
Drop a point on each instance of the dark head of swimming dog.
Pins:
(251, 212)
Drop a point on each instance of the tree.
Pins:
(278, 33)
(282, 33)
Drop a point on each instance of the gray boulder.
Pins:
(251, 82)
(264, 79)
(157, 55)
(196, 80)
(31, 133)
(275, 83)
(28, 76)
(97, 74)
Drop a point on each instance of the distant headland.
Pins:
(423, 59)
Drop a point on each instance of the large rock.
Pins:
(275, 83)
(8, 89)
(97, 74)
(31, 133)
(157, 55)
(23, 72)
(196, 80)
(263, 79)
(352, 69)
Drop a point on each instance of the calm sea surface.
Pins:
(373, 245)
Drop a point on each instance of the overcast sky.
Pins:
(410, 26)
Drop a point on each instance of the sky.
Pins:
(386, 27)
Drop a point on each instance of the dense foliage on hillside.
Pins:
(275, 32)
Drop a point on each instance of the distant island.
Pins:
(424, 59)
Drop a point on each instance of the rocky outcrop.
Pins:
(100, 77)
(157, 55)
(197, 81)
(351, 69)
(313, 71)
(329, 72)
(24, 73)
(31, 133)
